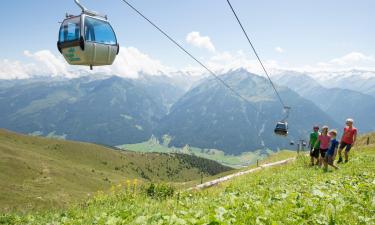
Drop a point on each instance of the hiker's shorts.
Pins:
(323, 152)
(346, 146)
(314, 152)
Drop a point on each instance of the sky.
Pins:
(288, 34)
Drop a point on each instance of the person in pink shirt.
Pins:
(348, 139)
(324, 140)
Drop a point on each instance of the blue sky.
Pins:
(308, 32)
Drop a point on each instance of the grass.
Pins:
(40, 173)
(290, 194)
(281, 155)
(273, 157)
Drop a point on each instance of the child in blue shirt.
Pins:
(332, 151)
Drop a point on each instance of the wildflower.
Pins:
(134, 186)
(128, 185)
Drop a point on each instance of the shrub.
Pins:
(159, 191)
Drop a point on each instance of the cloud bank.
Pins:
(49, 64)
(131, 62)
(350, 61)
(15, 70)
(353, 59)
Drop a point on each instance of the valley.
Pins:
(235, 161)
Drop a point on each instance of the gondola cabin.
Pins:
(87, 40)
(281, 129)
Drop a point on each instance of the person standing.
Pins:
(348, 140)
(314, 152)
(331, 153)
(323, 144)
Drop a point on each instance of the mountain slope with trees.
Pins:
(116, 111)
(109, 110)
(211, 116)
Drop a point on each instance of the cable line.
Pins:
(189, 54)
(256, 54)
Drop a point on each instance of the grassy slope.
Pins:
(290, 194)
(273, 157)
(38, 173)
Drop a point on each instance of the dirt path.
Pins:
(222, 179)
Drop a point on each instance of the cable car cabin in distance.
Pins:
(281, 128)
(87, 40)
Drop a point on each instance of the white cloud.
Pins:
(350, 61)
(49, 64)
(14, 70)
(279, 50)
(354, 59)
(42, 63)
(130, 62)
(224, 61)
(194, 38)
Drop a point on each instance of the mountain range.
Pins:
(211, 116)
(82, 109)
(195, 111)
(357, 80)
(338, 103)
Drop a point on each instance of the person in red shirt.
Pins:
(348, 139)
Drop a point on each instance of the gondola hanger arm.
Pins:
(87, 11)
(83, 8)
